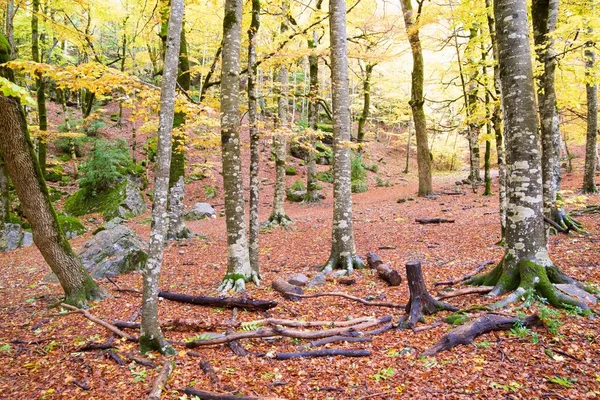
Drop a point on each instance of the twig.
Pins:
(139, 360)
(105, 324)
(323, 353)
(426, 327)
(335, 339)
(464, 291)
(161, 380)
(116, 358)
(350, 297)
(463, 278)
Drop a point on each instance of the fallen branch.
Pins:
(350, 297)
(434, 221)
(463, 278)
(426, 327)
(464, 291)
(312, 324)
(139, 360)
(384, 271)
(161, 380)
(465, 334)
(204, 395)
(286, 289)
(280, 331)
(234, 345)
(98, 321)
(181, 323)
(322, 353)
(115, 357)
(335, 339)
(225, 302)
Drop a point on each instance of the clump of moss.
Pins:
(291, 171)
(325, 176)
(106, 203)
(71, 224)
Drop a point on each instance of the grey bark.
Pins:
(3, 203)
(362, 119)
(472, 102)
(238, 260)
(41, 86)
(526, 264)
(21, 163)
(591, 143)
(254, 224)
(312, 192)
(417, 100)
(151, 337)
(10, 30)
(343, 252)
(278, 215)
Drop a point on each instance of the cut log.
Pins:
(286, 289)
(224, 302)
(463, 278)
(434, 221)
(335, 339)
(384, 270)
(421, 302)
(464, 291)
(322, 353)
(161, 381)
(465, 334)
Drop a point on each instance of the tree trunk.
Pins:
(4, 212)
(22, 165)
(312, 191)
(151, 337)
(362, 119)
(497, 122)
(591, 143)
(278, 215)
(343, 252)
(41, 87)
(472, 102)
(421, 302)
(417, 100)
(254, 223)
(526, 264)
(238, 261)
(10, 30)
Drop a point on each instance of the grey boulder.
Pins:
(199, 211)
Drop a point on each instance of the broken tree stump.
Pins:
(224, 302)
(421, 302)
(286, 289)
(465, 334)
(384, 270)
(434, 221)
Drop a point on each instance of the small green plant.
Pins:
(519, 330)
(383, 374)
(139, 373)
(5, 348)
(358, 175)
(484, 344)
(210, 192)
(251, 325)
(372, 167)
(382, 183)
(512, 386)
(325, 176)
(291, 171)
(92, 124)
(108, 164)
(298, 186)
(562, 381)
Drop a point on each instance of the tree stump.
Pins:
(421, 302)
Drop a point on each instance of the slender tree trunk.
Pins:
(312, 191)
(591, 144)
(497, 122)
(488, 125)
(41, 87)
(343, 252)
(362, 119)
(151, 337)
(417, 100)
(10, 30)
(3, 203)
(22, 165)
(278, 215)
(526, 264)
(239, 270)
(254, 223)
(410, 125)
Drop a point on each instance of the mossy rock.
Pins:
(124, 200)
(456, 319)
(71, 226)
(291, 171)
(4, 49)
(55, 174)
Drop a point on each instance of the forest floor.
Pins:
(40, 354)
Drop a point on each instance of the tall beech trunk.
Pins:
(312, 186)
(526, 264)
(497, 122)
(343, 252)
(488, 126)
(591, 143)
(545, 16)
(3, 203)
(279, 147)
(254, 223)
(41, 87)
(239, 270)
(22, 165)
(151, 337)
(417, 100)
(364, 115)
(472, 100)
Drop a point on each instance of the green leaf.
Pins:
(9, 89)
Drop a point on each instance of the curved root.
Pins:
(348, 263)
(278, 219)
(566, 222)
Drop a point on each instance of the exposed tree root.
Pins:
(348, 263)
(565, 221)
(237, 282)
(322, 353)
(349, 297)
(465, 334)
(313, 196)
(529, 277)
(278, 219)
(464, 291)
